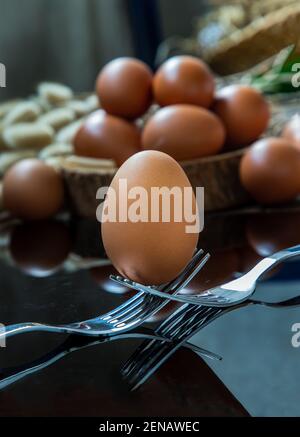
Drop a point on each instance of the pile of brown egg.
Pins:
(179, 111)
(190, 120)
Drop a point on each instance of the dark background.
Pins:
(69, 41)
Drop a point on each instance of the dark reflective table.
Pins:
(52, 272)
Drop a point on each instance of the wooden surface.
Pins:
(219, 175)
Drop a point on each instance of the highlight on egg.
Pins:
(149, 249)
(291, 131)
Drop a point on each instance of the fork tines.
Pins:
(179, 327)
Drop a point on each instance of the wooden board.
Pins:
(219, 175)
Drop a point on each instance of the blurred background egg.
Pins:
(244, 112)
(184, 79)
(105, 136)
(150, 252)
(124, 87)
(270, 171)
(40, 248)
(32, 190)
(291, 131)
(184, 132)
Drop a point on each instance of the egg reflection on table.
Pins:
(220, 268)
(269, 233)
(40, 248)
(101, 275)
(248, 258)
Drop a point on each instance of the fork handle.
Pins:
(267, 263)
(286, 253)
(22, 328)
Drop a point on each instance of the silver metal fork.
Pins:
(9, 376)
(179, 327)
(131, 314)
(183, 324)
(231, 293)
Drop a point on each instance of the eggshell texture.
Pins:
(184, 79)
(124, 87)
(149, 252)
(291, 131)
(244, 112)
(270, 171)
(104, 136)
(39, 248)
(184, 132)
(32, 190)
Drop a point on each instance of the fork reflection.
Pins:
(180, 327)
(74, 343)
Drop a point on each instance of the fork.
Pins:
(73, 343)
(133, 313)
(183, 324)
(180, 326)
(228, 294)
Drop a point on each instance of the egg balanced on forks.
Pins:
(150, 219)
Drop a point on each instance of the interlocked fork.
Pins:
(73, 343)
(131, 314)
(225, 295)
(180, 326)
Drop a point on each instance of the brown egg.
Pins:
(124, 87)
(244, 112)
(39, 248)
(184, 79)
(184, 132)
(142, 249)
(101, 276)
(268, 233)
(270, 171)
(104, 136)
(33, 190)
(291, 131)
